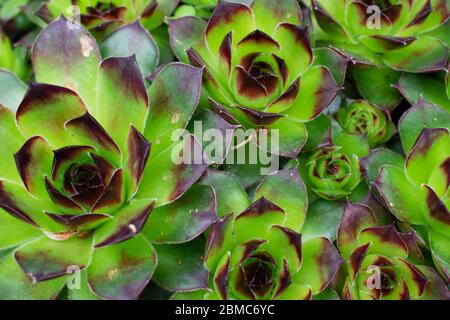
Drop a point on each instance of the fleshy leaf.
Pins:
(185, 33)
(384, 240)
(44, 111)
(420, 116)
(14, 232)
(179, 167)
(12, 90)
(180, 267)
(184, 219)
(335, 61)
(34, 162)
(121, 271)
(399, 195)
(323, 220)
(430, 150)
(122, 99)
(321, 261)
(65, 54)
(12, 141)
(356, 217)
(375, 85)
(286, 190)
(317, 91)
(379, 158)
(45, 259)
(132, 39)
(172, 103)
(416, 86)
(16, 285)
(231, 197)
(269, 13)
(127, 223)
(255, 222)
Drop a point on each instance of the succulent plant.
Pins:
(415, 189)
(258, 254)
(84, 163)
(260, 65)
(103, 16)
(361, 117)
(390, 33)
(383, 263)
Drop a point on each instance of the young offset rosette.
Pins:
(83, 165)
(260, 65)
(331, 172)
(258, 254)
(396, 34)
(383, 263)
(362, 118)
(416, 189)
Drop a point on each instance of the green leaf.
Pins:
(323, 220)
(172, 104)
(399, 195)
(127, 223)
(83, 292)
(16, 285)
(12, 90)
(45, 110)
(168, 176)
(122, 98)
(423, 55)
(256, 221)
(14, 232)
(422, 115)
(184, 219)
(45, 259)
(164, 8)
(416, 86)
(379, 158)
(439, 248)
(286, 190)
(269, 13)
(309, 103)
(334, 61)
(122, 271)
(12, 141)
(180, 267)
(231, 196)
(376, 85)
(319, 133)
(321, 261)
(185, 33)
(430, 150)
(132, 39)
(66, 55)
(353, 144)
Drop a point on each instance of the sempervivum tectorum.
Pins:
(260, 66)
(383, 263)
(416, 189)
(84, 162)
(258, 254)
(392, 33)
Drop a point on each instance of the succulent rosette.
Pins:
(362, 118)
(102, 16)
(331, 172)
(258, 253)
(390, 33)
(260, 65)
(416, 189)
(383, 264)
(382, 38)
(83, 165)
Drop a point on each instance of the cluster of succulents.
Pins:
(109, 189)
